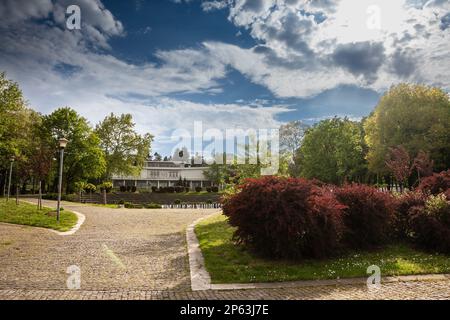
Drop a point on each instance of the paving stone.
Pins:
(141, 254)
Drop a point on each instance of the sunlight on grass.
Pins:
(228, 262)
(28, 214)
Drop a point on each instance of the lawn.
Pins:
(28, 214)
(229, 263)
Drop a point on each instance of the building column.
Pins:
(201, 184)
(157, 183)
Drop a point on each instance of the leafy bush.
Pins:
(170, 189)
(79, 186)
(430, 224)
(368, 215)
(403, 205)
(208, 189)
(154, 189)
(215, 189)
(435, 184)
(64, 197)
(198, 189)
(179, 189)
(177, 201)
(209, 201)
(89, 187)
(133, 189)
(128, 205)
(285, 218)
(121, 202)
(105, 186)
(123, 188)
(153, 205)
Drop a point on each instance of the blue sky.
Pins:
(228, 63)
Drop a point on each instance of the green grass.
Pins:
(229, 263)
(28, 214)
(111, 206)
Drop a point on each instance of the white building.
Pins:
(164, 174)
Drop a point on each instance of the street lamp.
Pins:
(62, 145)
(10, 176)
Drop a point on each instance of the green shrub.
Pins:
(89, 187)
(177, 201)
(153, 205)
(105, 186)
(128, 205)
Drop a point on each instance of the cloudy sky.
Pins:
(230, 63)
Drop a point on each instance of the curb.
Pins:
(80, 220)
(201, 280)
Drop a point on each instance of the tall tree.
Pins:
(291, 136)
(84, 158)
(332, 151)
(414, 116)
(125, 150)
(15, 125)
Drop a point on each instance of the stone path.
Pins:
(118, 249)
(141, 254)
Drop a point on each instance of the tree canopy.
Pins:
(332, 151)
(413, 116)
(84, 157)
(125, 150)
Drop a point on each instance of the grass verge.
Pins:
(28, 214)
(230, 263)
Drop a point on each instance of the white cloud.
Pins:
(301, 38)
(57, 67)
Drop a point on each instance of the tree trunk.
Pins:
(40, 196)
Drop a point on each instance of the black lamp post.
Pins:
(10, 176)
(62, 145)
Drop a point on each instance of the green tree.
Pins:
(332, 151)
(216, 173)
(125, 150)
(84, 158)
(17, 122)
(291, 136)
(414, 116)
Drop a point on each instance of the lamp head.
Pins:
(62, 142)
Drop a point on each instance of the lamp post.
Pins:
(62, 144)
(10, 176)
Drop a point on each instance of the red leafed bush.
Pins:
(285, 218)
(403, 206)
(435, 184)
(430, 224)
(368, 217)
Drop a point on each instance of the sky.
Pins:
(227, 63)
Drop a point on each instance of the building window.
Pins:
(153, 173)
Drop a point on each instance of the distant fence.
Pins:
(192, 206)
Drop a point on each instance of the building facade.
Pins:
(164, 174)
